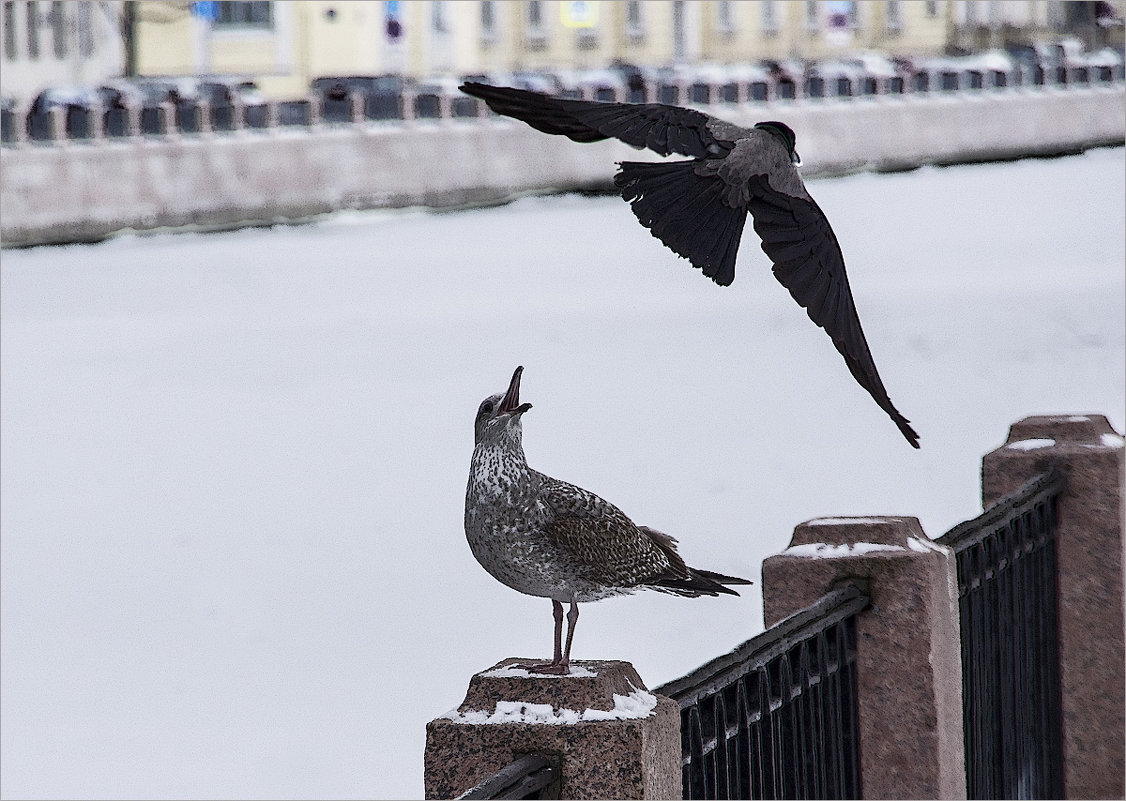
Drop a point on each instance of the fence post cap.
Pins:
(613, 738)
(857, 536)
(1046, 431)
(593, 690)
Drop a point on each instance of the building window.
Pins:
(534, 36)
(894, 16)
(931, 8)
(439, 20)
(812, 15)
(85, 27)
(635, 28)
(58, 29)
(10, 49)
(488, 20)
(245, 14)
(769, 17)
(32, 29)
(535, 16)
(725, 17)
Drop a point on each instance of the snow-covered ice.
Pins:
(233, 465)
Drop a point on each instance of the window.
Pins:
(931, 8)
(246, 14)
(10, 51)
(725, 17)
(58, 29)
(769, 17)
(635, 27)
(85, 26)
(535, 16)
(811, 15)
(534, 35)
(488, 20)
(32, 29)
(439, 21)
(894, 17)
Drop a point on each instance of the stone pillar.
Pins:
(610, 736)
(1089, 557)
(908, 664)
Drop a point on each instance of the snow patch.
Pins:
(638, 704)
(1110, 440)
(823, 550)
(923, 545)
(517, 672)
(836, 521)
(1031, 444)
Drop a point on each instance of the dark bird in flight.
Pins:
(698, 207)
(545, 537)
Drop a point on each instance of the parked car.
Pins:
(224, 92)
(78, 102)
(382, 95)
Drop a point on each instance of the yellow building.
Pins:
(285, 45)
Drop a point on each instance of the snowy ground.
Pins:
(233, 562)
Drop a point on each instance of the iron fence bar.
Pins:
(1036, 490)
(831, 608)
(1008, 608)
(759, 722)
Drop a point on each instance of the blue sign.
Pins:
(206, 10)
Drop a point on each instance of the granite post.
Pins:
(609, 736)
(1089, 557)
(908, 663)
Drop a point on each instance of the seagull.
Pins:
(547, 538)
(697, 208)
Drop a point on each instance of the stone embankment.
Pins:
(88, 190)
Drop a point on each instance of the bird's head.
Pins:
(499, 415)
(785, 135)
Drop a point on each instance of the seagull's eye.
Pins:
(487, 407)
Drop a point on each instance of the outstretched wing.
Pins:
(807, 261)
(663, 129)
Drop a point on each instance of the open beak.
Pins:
(510, 404)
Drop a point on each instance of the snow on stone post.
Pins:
(908, 661)
(1089, 558)
(609, 736)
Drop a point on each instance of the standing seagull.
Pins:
(551, 539)
(698, 207)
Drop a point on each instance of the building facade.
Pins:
(283, 46)
(58, 44)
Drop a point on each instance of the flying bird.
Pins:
(697, 208)
(547, 538)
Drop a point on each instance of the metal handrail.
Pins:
(831, 608)
(524, 777)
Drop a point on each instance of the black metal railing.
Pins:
(528, 776)
(1010, 667)
(777, 717)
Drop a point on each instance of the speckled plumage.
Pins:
(548, 538)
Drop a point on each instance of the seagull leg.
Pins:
(557, 664)
(572, 619)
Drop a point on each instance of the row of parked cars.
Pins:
(232, 101)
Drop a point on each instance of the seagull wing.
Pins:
(661, 128)
(808, 261)
(606, 546)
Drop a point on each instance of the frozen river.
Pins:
(233, 465)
